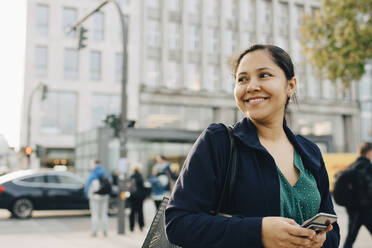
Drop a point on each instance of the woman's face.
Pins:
(261, 87)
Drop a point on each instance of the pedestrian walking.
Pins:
(98, 197)
(360, 212)
(281, 179)
(158, 183)
(162, 167)
(137, 196)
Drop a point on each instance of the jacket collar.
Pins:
(246, 132)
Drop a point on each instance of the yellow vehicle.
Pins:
(336, 162)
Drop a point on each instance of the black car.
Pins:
(23, 191)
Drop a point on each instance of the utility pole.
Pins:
(28, 149)
(123, 117)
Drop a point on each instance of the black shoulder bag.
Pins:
(157, 238)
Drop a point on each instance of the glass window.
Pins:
(68, 180)
(213, 75)
(153, 34)
(365, 84)
(174, 78)
(71, 63)
(42, 16)
(123, 2)
(194, 6)
(52, 179)
(174, 5)
(34, 179)
(103, 105)
(214, 40)
(214, 7)
(366, 121)
(249, 18)
(69, 17)
(193, 82)
(153, 73)
(328, 89)
(232, 42)
(58, 113)
(314, 84)
(98, 26)
(41, 58)
(174, 36)
(95, 65)
(153, 3)
(266, 14)
(298, 15)
(118, 66)
(194, 38)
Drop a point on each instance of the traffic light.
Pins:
(82, 37)
(28, 151)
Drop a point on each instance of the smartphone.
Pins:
(319, 222)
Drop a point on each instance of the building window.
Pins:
(214, 40)
(153, 34)
(153, 73)
(155, 4)
(232, 42)
(58, 113)
(366, 121)
(174, 78)
(174, 5)
(71, 63)
(283, 13)
(69, 17)
(41, 60)
(194, 6)
(42, 16)
(95, 65)
(98, 26)
(266, 13)
(299, 13)
(194, 38)
(193, 82)
(123, 2)
(174, 36)
(118, 66)
(213, 78)
(214, 8)
(103, 105)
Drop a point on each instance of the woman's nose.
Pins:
(252, 86)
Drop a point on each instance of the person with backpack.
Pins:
(360, 207)
(97, 190)
(137, 196)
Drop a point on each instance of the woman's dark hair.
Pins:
(279, 56)
(364, 148)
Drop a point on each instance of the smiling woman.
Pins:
(281, 179)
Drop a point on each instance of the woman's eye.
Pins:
(265, 75)
(242, 80)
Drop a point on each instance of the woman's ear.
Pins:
(292, 84)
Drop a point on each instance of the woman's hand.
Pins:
(320, 238)
(280, 232)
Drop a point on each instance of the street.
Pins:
(72, 229)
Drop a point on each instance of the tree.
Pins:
(337, 38)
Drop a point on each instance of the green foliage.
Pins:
(337, 38)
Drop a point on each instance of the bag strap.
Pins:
(230, 176)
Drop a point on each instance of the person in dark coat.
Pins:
(137, 195)
(361, 213)
(281, 179)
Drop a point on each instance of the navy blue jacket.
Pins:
(256, 194)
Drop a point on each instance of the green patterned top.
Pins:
(302, 201)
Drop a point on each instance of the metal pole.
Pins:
(28, 140)
(123, 117)
(124, 123)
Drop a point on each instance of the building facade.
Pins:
(179, 76)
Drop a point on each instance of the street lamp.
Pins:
(44, 90)
(123, 117)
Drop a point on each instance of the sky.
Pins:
(12, 53)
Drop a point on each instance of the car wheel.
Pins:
(22, 208)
